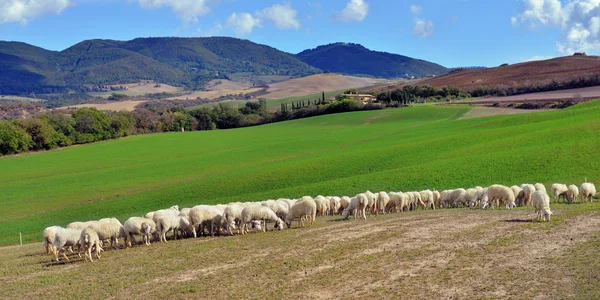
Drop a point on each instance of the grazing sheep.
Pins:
(540, 187)
(185, 212)
(304, 208)
(109, 229)
(427, 197)
(417, 201)
(201, 215)
(335, 204)
(48, 236)
(233, 217)
(587, 192)
(344, 203)
(259, 213)
(451, 197)
(528, 190)
(559, 190)
(464, 198)
(572, 193)
(516, 190)
(65, 237)
(372, 206)
(382, 201)
(436, 198)
(479, 198)
(321, 205)
(541, 204)
(502, 194)
(80, 225)
(168, 223)
(89, 240)
(138, 226)
(358, 205)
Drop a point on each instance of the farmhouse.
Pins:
(364, 98)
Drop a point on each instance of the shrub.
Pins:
(13, 139)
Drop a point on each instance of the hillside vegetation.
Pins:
(348, 58)
(342, 154)
(189, 62)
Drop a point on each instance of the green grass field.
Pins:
(396, 149)
(276, 103)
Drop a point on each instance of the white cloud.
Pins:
(415, 9)
(23, 11)
(578, 20)
(423, 28)
(242, 23)
(356, 10)
(283, 16)
(187, 10)
(216, 30)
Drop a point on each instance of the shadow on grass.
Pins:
(519, 221)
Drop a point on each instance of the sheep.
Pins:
(399, 202)
(344, 203)
(201, 214)
(540, 187)
(259, 213)
(464, 198)
(501, 193)
(451, 196)
(358, 205)
(572, 193)
(321, 205)
(233, 216)
(109, 229)
(528, 190)
(79, 225)
(305, 208)
(65, 237)
(479, 198)
(138, 225)
(417, 201)
(372, 206)
(89, 239)
(541, 204)
(335, 204)
(185, 212)
(436, 199)
(517, 190)
(427, 197)
(382, 201)
(587, 192)
(169, 222)
(48, 236)
(558, 190)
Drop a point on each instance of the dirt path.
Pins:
(479, 112)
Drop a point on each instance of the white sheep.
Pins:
(138, 226)
(541, 204)
(259, 213)
(528, 190)
(464, 198)
(479, 198)
(79, 225)
(587, 192)
(540, 187)
(436, 198)
(321, 205)
(305, 208)
(89, 240)
(168, 223)
(358, 205)
(372, 206)
(109, 229)
(502, 194)
(382, 202)
(559, 190)
(517, 190)
(428, 198)
(185, 212)
(233, 216)
(572, 193)
(344, 203)
(334, 205)
(48, 236)
(65, 237)
(278, 207)
(451, 196)
(201, 215)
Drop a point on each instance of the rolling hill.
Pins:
(188, 62)
(354, 59)
(559, 69)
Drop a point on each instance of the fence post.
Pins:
(21, 238)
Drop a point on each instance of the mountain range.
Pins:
(187, 62)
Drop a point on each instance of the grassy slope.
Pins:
(403, 149)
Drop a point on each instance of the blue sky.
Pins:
(450, 32)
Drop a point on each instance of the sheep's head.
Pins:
(288, 223)
(86, 238)
(146, 228)
(257, 224)
(232, 225)
(547, 214)
(279, 224)
(175, 207)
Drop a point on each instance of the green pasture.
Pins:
(403, 149)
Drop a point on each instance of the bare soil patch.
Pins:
(480, 111)
(318, 83)
(440, 254)
(128, 105)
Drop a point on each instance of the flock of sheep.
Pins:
(239, 217)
